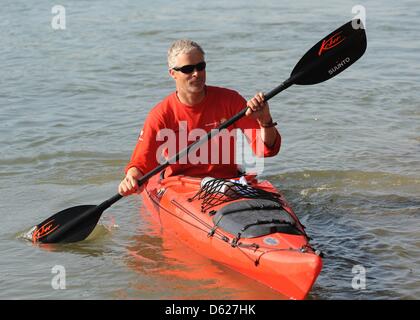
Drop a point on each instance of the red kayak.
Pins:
(244, 224)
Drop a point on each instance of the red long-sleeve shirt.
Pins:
(172, 125)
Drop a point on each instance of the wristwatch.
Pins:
(268, 124)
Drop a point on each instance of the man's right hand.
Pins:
(129, 184)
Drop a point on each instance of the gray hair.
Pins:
(181, 47)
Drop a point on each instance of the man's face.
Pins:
(193, 82)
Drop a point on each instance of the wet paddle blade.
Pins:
(56, 228)
(332, 55)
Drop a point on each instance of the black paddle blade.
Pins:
(332, 55)
(58, 228)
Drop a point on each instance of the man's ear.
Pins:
(172, 73)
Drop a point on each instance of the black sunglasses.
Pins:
(190, 68)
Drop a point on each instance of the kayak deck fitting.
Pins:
(246, 226)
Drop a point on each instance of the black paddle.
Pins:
(329, 57)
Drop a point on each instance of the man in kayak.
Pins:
(191, 111)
